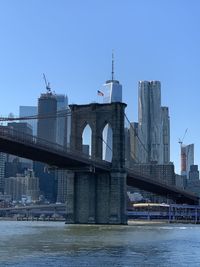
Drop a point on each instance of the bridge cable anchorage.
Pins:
(136, 134)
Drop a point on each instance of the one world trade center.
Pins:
(112, 93)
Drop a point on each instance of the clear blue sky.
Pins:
(72, 41)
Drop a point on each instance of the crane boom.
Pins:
(45, 80)
(181, 140)
(184, 134)
(47, 84)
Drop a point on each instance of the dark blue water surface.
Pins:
(56, 244)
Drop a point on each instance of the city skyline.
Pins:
(120, 82)
(151, 41)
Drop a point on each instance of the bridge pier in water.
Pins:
(98, 197)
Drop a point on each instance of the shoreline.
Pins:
(130, 222)
(29, 220)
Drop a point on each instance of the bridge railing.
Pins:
(14, 135)
(159, 182)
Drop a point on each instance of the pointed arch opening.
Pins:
(107, 143)
(87, 140)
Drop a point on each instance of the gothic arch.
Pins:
(97, 116)
(87, 140)
(107, 142)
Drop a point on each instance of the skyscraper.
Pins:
(187, 158)
(2, 171)
(62, 101)
(47, 107)
(149, 120)
(153, 124)
(112, 93)
(62, 120)
(46, 129)
(165, 123)
(193, 182)
(27, 111)
(62, 137)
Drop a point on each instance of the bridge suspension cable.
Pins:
(136, 134)
(59, 114)
(67, 113)
(105, 143)
(36, 117)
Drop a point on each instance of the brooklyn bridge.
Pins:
(96, 188)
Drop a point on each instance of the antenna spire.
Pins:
(112, 65)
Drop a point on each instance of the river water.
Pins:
(25, 244)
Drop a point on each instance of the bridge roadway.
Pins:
(146, 183)
(31, 147)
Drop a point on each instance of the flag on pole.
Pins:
(100, 93)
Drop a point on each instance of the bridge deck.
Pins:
(34, 148)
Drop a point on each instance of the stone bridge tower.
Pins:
(98, 197)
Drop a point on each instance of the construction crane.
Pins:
(180, 141)
(183, 154)
(47, 84)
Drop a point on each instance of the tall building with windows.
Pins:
(23, 185)
(112, 93)
(28, 111)
(15, 187)
(46, 129)
(153, 124)
(62, 138)
(62, 119)
(2, 171)
(47, 108)
(187, 158)
(193, 182)
(149, 120)
(32, 185)
(165, 127)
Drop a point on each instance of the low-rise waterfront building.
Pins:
(21, 185)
